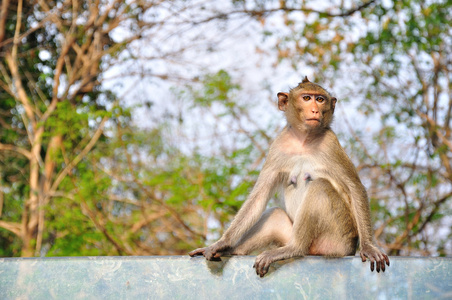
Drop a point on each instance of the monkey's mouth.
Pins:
(313, 119)
(313, 122)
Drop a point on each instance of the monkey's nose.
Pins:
(315, 109)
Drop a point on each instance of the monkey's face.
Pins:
(312, 108)
(307, 109)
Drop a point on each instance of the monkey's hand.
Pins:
(375, 255)
(213, 252)
(266, 258)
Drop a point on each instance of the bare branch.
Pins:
(17, 149)
(120, 249)
(263, 12)
(13, 227)
(3, 17)
(21, 94)
(436, 206)
(79, 157)
(433, 124)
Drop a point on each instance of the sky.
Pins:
(183, 52)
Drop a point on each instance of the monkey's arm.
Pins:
(360, 206)
(247, 216)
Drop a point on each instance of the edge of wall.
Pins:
(182, 277)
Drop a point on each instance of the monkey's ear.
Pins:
(333, 103)
(305, 79)
(283, 100)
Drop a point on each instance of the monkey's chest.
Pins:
(294, 189)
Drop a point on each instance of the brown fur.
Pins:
(322, 213)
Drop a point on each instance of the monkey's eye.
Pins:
(306, 98)
(320, 99)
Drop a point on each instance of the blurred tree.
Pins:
(54, 111)
(77, 178)
(407, 66)
(394, 60)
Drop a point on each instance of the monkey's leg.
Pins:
(323, 226)
(274, 228)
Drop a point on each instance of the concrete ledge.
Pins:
(182, 277)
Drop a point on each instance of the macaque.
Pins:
(323, 206)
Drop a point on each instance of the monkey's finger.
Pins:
(382, 259)
(378, 260)
(208, 254)
(259, 270)
(196, 252)
(216, 256)
(363, 257)
(256, 265)
(386, 259)
(212, 256)
(378, 263)
(372, 266)
(382, 262)
(265, 269)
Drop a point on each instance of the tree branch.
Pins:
(14, 148)
(13, 227)
(3, 15)
(255, 12)
(80, 156)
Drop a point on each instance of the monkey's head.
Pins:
(308, 106)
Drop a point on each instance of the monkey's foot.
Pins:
(213, 252)
(263, 262)
(376, 257)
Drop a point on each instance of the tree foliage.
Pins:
(54, 111)
(79, 175)
(393, 58)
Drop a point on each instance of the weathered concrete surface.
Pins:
(182, 277)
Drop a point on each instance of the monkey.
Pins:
(323, 205)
